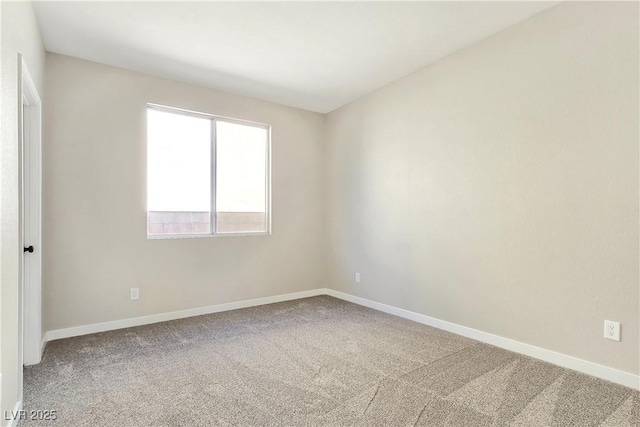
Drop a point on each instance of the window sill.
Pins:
(204, 236)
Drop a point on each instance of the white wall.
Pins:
(498, 188)
(20, 34)
(95, 245)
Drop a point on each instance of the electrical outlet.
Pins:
(612, 330)
(357, 277)
(135, 293)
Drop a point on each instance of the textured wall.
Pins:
(94, 172)
(498, 188)
(19, 35)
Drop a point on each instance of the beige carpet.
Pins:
(316, 361)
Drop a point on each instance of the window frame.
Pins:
(213, 211)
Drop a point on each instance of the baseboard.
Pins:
(173, 315)
(43, 345)
(610, 374)
(14, 417)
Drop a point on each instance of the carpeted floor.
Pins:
(316, 361)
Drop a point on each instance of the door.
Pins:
(30, 326)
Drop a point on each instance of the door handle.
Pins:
(29, 249)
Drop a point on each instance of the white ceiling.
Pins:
(316, 55)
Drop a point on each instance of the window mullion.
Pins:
(213, 214)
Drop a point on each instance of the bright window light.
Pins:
(205, 175)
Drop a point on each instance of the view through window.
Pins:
(205, 175)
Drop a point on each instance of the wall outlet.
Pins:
(135, 293)
(612, 330)
(357, 277)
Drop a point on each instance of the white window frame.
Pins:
(213, 213)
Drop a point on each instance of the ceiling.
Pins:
(312, 55)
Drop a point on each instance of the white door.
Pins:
(30, 327)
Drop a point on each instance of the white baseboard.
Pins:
(43, 344)
(14, 416)
(173, 315)
(610, 374)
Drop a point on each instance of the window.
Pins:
(206, 175)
